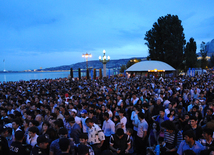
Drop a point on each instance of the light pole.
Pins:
(104, 61)
(86, 56)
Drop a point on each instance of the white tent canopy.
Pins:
(145, 66)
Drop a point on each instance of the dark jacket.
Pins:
(75, 132)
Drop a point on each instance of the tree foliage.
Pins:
(132, 62)
(211, 62)
(190, 54)
(203, 53)
(122, 68)
(166, 40)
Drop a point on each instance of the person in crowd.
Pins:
(207, 141)
(42, 144)
(17, 148)
(39, 118)
(96, 136)
(190, 143)
(117, 122)
(4, 148)
(64, 145)
(123, 120)
(108, 129)
(130, 133)
(45, 127)
(172, 138)
(193, 125)
(154, 134)
(84, 116)
(120, 142)
(75, 130)
(140, 140)
(54, 146)
(83, 138)
(32, 136)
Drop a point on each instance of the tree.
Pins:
(122, 68)
(132, 62)
(166, 40)
(203, 53)
(190, 54)
(211, 62)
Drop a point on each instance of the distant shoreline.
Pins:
(33, 71)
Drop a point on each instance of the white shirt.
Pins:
(108, 128)
(32, 141)
(134, 117)
(123, 121)
(95, 135)
(84, 126)
(77, 120)
(134, 100)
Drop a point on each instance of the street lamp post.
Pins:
(104, 61)
(86, 56)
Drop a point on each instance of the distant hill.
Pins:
(93, 64)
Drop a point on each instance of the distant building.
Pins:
(151, 68)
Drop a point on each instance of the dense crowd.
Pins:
(116, 115)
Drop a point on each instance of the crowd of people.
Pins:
(116, 115)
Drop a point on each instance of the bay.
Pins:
(26, 76)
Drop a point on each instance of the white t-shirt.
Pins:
(123, 121)
(77, 120)
(84, 126)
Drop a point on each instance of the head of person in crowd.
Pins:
(32, 131)
(33, 123)
(91, 114)
(16, 123)
(52, 118)
(39, 118)
(121, 113)
(66, 115)
(63, 133)
(189, 137)
(57, 111)
(155, 126)
(64, 144)
(19, 136)
(26, 123)
(58, 124)
(116, 119)
(83, 138)
(84, 113)
(120, 133)
(169, 126)
(141, 116)
(106, 116)
(129, 132)
(45, 126)
(158, 102)
(162, 112)
(43, 141)
(4, 131)
(83, 150)
(189, 152)
(145, 106)
(209, 112)
(71, 121)
(208, 134)
(193, 122)
(89, 122)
